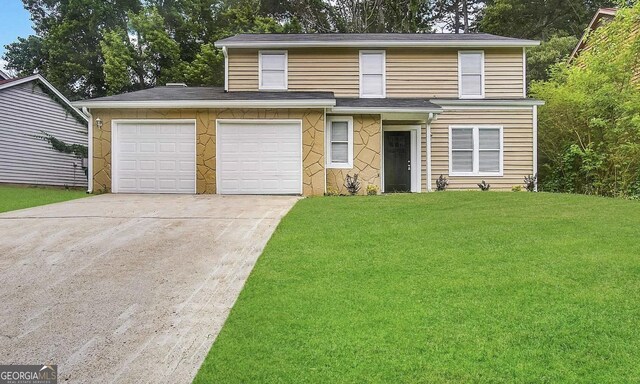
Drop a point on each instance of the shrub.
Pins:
(441, 183)
(352, 184)
(516, 188)
(372, 190)
(530, 182)
(484, 186)
(332, 192)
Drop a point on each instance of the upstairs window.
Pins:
(273, 70)
(475, 151)
(471, 75)
(340, 142)
(372, 74)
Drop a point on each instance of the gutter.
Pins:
(191, 104)
(379, 44)
(487, 103)
(376, 110)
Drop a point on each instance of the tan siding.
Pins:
(243, 70)
(503, 73)
(518, 146)
(334, 70)
(423, 72)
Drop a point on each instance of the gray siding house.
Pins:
(31, 107)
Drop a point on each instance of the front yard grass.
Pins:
(19, 197)
(449, 287)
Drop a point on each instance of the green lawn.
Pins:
(449, 287)
(12, 197)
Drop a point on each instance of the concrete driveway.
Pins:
(126, 288)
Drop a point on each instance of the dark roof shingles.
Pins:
(362, 37)
(210, 93)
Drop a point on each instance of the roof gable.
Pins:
(56, 95)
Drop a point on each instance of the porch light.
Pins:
(99, 123)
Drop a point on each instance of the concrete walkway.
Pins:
(126, 288)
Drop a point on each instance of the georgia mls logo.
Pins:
(28, 374)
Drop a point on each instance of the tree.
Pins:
(539, 19)
(548, 53)
(458, 15)
(589, 129)
(66, 48)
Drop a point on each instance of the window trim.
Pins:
(384, 73)
(476, 150)
(329, 163)
(482, 76)
(286, 70)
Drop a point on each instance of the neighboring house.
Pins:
(601, 17)
(301, 111)
(29, 108)
(4, 75)
(587, 42)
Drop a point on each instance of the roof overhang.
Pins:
(174, 104)
(481, 103)
(377, 110)
(378, 44)
(594, 24)
(50, 87)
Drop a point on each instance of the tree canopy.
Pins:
(589, 129)
(91, 48)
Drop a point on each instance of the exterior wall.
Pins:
(415, 72)
(312, 141)
(367, 152)
(27, 112)
(518, 146)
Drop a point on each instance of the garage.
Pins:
(259, 157)
(154, 156)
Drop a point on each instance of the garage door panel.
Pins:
(259, 158)
(155, 157)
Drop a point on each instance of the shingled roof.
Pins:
(275, 40)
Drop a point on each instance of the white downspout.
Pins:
(90, 150)
(428, 133)
(226, 69)
(535, 145)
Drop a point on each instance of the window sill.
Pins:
(273, 89)
(472, 97)
(483, 174)
(340, 166)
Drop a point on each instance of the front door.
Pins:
(397, 161)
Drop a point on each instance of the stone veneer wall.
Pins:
(367, 154)
(312, 141)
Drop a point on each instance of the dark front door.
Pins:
(397, 161)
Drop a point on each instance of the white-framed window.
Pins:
(372, 74)
(471, 74)
(339, 142)
(475, 150)
(272, 69)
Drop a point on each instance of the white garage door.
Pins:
(259, 157)
(154, 157)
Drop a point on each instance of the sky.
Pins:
(14, 22)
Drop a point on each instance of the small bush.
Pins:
(516, 188)
(441, 183)
(332, 192)
(530, 182)
(484, 186)
(352, 184)
(372, 190)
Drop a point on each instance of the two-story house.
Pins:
(299, 112)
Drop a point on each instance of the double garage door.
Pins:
(253, 157)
